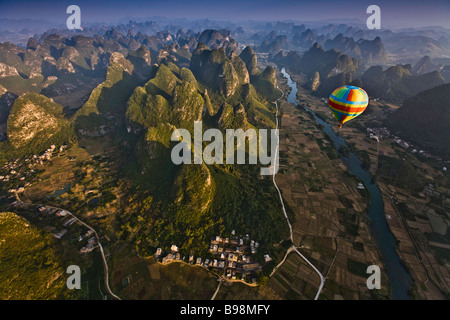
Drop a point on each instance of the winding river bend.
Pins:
(399, 278)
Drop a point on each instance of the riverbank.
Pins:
(405, 206)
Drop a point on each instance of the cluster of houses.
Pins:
(231, 256)
(92, 241)
(20, 189)
(91, 245)
(47, 155)
(174, 255)
(409, 146)
(381, 133)
(431, 191)
(401, 143)
(11, 168)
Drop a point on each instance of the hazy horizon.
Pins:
(394, 14)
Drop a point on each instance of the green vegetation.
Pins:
(316, 182)
(19, 85)
(248, 208)
(357, 268)
(166, 100)
(188, 204)
(196, 211)
(31, 267)
(108, 98)
(358, 246)
(35, 122)
(266, 84)
(349, 219)
(400, 172)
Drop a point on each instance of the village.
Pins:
(11, 171)
(383, 133)
(230, 258)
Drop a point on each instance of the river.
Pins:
(398, 276)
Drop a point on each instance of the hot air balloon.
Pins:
(348, 102)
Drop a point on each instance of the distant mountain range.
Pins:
(398, 82)
(328, 69)
(369, 51)
(373, 47)
(325, 69)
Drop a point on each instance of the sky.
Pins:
(394, 13)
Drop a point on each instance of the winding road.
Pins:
(105, 264)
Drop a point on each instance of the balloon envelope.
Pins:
(348, 102)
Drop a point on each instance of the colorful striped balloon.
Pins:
(348, 102)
